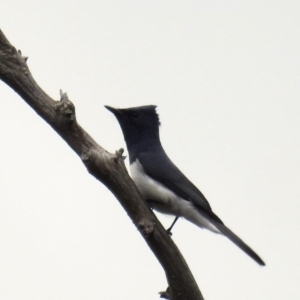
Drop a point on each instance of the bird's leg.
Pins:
(169, 229)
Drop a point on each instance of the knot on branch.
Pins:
(25, 58)
(66, 109)
(95, 160)
(12, 63)
(119, 154)
(118, 157)
(146, 227)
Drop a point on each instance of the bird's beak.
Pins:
(115, 111)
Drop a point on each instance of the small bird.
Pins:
(160, 182)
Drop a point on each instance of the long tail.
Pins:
(235, 239)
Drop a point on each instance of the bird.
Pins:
(161, 184)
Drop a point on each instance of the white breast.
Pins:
(148, 187)
(165, 200)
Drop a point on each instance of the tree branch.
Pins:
(106, 167)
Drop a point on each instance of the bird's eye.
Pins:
(134, 114)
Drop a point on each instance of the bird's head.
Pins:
(137, 123)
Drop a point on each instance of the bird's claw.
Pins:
(169, 233)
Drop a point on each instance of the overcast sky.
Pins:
(225, 76)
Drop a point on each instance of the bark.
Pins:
(106, 167)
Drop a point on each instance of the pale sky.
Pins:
(225, 76)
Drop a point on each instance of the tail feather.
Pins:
(236, 240)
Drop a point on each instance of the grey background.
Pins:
(225, 76)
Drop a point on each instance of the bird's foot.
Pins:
(169, 231)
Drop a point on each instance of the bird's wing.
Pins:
(165, 172)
